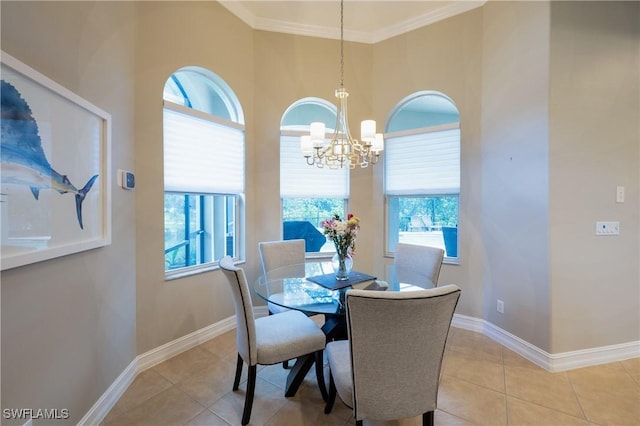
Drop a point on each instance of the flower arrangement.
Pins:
(343, 235)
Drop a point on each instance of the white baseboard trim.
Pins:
(594, 356)
(101, 408)
(105, 403)
(551, 362)
(184, 343)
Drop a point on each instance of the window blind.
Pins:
(299, 180)
(424, 163)
(202, 156)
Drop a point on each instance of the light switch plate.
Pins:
(607, 228)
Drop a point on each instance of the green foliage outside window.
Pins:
(313, 210)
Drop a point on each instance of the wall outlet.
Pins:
(500, 306)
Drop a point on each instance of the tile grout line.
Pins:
(504, 382)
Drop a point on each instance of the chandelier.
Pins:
(342, 150)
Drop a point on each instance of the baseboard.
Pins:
(101, 408)
(588, 357)
(551, 362)
(184, 343)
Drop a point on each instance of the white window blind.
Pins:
(424, 163)
(202, 156)
(299, 180)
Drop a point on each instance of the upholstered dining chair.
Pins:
(418, 264)
(389, 368)
(278, 254)
(271, 339)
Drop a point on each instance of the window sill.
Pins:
(319, 255)
(194, 270)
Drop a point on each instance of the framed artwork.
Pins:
(55, 147)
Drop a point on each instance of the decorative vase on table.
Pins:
(342, 265)
(343, 235)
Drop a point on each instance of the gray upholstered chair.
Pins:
(390, 367)
(418, 265)
(271, 339)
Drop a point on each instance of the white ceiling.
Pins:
(365, 21)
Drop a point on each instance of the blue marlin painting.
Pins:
(23, 160)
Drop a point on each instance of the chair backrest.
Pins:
(418, 265)
(277, 254)
(397, 342)
(245, 319)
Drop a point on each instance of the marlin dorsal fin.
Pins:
(35, 191)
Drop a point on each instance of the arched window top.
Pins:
(305, 111)
(202, 90)
(422, 109)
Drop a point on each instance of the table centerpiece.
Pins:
(343, 235)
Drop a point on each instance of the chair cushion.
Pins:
(276, 309)
(339, 357)
(287, 335)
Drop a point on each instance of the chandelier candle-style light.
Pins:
(342, 150)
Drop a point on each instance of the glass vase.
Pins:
(342, 266)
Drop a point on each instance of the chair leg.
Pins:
(248, 400)
(320, 374)
(331, 399)
(236, 382)
(427, 418)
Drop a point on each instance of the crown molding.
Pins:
(370, 37)
(444, 12)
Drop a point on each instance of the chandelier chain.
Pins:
(341, 43)
(342, 150)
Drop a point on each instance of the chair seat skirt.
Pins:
(275, 331)
(339, 358)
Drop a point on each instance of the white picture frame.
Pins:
(55, 193)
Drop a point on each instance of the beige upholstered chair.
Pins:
(278, 254)
(271, 339)
(390, 367)
(418, 265)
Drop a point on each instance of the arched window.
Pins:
(309, 194)
(204, 179)
(422, 172)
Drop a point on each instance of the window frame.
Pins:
(410, 194)
(238, 218)
(207, 210)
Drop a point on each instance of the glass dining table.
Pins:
(311, 287)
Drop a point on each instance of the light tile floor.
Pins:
(482, 383)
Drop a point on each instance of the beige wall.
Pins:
(594, 145)
(515, 223)
(69, 324)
